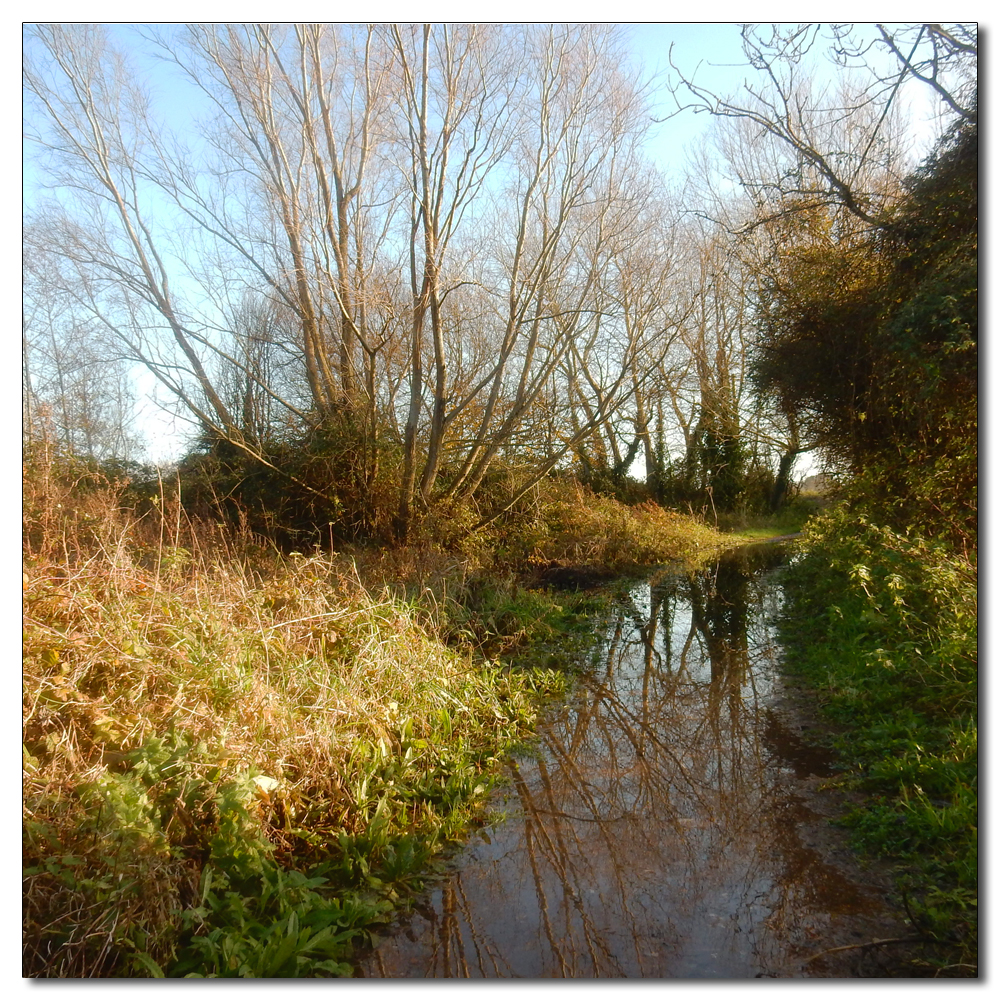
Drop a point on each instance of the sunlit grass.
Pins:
(573, 526)
(884, 627)
(790, 520)
(319, 715)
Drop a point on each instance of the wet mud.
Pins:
(674, 822)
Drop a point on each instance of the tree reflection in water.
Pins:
(657, 832)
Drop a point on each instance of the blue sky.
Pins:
(713, 49)
(713, 52)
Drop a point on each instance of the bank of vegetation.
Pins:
(882, 616)
(238, 761)
(883, 625)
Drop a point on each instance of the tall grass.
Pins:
(237, 762)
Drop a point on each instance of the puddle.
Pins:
(672, 824)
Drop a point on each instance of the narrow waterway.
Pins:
(673, 823)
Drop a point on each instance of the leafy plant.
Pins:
(275, 925)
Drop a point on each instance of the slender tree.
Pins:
(382, 189)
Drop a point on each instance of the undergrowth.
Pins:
(789, 520)
(567, 524)
(236, 763)
(883, 625)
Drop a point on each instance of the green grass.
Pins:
(763, 532)
(883, 625)
(790, 520)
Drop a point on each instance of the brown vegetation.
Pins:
(192, 695)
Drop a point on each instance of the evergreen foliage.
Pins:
(874, 339)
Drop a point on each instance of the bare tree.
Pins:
(642, 317)
(942, 56)
(572, 188)
(392, 189)
(832, 138)
(76, 386)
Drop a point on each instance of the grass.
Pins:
(789, 520)
(883, 626)
(236, 763)
(568, 525)
(230, 728)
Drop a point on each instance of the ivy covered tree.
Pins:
(874, 340)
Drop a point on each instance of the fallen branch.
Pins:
(865, 944)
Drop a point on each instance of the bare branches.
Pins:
(836, 144)
(942, 57)
(417, 230)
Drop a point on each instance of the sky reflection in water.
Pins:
(658, 833)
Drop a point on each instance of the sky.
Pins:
(714, 55)
(713, 50)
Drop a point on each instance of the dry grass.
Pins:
(573, 526)
(203, 717)
(283, 677)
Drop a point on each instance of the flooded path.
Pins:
(670, 825)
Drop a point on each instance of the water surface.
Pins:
(669, 825)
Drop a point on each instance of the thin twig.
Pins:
(956, 965)
(865, 944)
